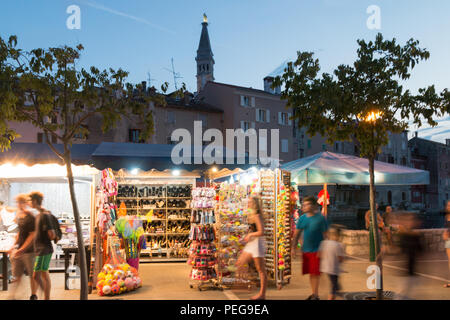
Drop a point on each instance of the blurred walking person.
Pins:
(255, 247)
(331, 255)
(410, 242)
(314, 226)
(22, 253)
(43, 247)
(446, 236)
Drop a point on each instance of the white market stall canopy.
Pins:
(49, 172)
(336, 168)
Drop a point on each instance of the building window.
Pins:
(309, 144)
(283, 118)
(261, 115)
(336, 147)
(324, 147)
(245, 125)
(284, 145)
(170, 117)
(403, 196)
(41, 138)
(403, 161)
(245, 101)
(134, 136)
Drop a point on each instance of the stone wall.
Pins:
(356, 242)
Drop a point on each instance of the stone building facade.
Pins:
(434, 157)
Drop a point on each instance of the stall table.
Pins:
(67, 252)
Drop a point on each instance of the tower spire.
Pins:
(204, 59)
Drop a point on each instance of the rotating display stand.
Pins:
(276, 207)
(232, 227)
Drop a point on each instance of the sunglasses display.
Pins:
(166, 213)
(276, 209)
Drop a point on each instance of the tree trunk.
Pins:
(80, 241)
(373, 213)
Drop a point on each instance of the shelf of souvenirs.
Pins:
(163, 219)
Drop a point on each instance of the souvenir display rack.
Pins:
(276, 208)
(202, 253)
(105, 214)
(164, 205)
(232, 227)
(284, 226)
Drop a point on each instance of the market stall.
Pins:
(274, 188)
(159, 200)
(50, 179)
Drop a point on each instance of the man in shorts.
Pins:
(314, 227)
(43, 247)
(22, 253)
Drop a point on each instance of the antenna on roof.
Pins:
(149, 79)
(176, 75)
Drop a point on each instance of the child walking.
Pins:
(331, 253)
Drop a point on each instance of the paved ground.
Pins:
(167, 281)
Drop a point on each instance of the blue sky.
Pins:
(249, 38)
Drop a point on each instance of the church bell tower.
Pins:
(204, 59)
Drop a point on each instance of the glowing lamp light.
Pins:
(134, 171)
(214, 169)
(175, 172)
(373, 116)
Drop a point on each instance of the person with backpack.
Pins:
(43, 248)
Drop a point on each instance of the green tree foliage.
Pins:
(46, 88)
(364, 101)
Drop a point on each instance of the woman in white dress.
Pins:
(255, 248)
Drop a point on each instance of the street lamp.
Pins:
(372, 118)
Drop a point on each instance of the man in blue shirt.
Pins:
(314, 227)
